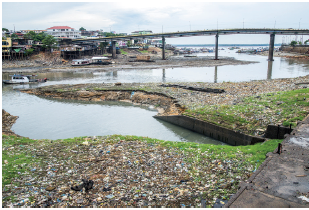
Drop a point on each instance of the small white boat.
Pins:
(22, 79)
(100, 60)
(80, 62)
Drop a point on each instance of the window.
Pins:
(62, 29)
(53, 29)
(5, 43)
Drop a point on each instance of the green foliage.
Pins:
(5, 29)
(14, 36)
(30, 35)
(306, 41)
(29, 51)
(129, 43)
(40, 37)
(123, 52)
(82, 29)
(108, 34)
(49, 42)
(293, 43)
(286, 107)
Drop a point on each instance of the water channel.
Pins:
(41, 118)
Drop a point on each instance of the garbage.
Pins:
(132, 172)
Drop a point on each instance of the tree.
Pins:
(82, 29)
(5, 29)
(14, 36)
(30, 35)
(49, 42)
(29, 51)
(129, 43)
(306, 41)
(293, 43)
(300, 43)
(39, 37)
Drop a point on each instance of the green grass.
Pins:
(257, 153)
(256, 112)
(123, 52)
(18, 151)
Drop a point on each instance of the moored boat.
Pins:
(100, 60)
(22, 79)
(80, 62)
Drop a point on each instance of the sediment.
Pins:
(7, 122)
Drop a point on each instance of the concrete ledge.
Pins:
(211, 130)
(282, 179)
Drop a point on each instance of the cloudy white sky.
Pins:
(158, 16)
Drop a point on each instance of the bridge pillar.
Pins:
(216, 50)
(113, 49)
(163, 48)
(271, 47)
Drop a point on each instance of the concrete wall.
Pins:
(276, 132)
(297, 48)
(211, 130)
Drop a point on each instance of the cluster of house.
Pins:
(62, 34)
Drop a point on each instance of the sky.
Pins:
(162, 16)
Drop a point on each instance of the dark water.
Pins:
(54, 119)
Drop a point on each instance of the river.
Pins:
(41, 118)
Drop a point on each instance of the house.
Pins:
(6, 45)
(35, 31)
(64, 32)
(145, 41)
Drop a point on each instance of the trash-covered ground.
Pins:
(123, 171)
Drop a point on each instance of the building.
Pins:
(64, 32)
(141, 32)
(35, 31)
(6, 45)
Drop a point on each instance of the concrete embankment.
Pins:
(282, 180)
(214, 131)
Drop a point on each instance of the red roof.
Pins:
(60, 27)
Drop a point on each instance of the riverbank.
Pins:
(126, 61)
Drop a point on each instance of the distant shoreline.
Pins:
(221, 45)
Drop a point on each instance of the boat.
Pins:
(23, 79)
(80, 62)
(100, 61)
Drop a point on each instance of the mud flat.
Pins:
(122, 62)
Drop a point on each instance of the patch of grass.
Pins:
(256, 112)
(123, 52)
(257, 152)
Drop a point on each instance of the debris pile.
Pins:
(114, 172)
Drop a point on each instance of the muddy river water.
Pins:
(41, 118)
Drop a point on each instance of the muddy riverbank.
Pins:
(7, 122)
(53, 63)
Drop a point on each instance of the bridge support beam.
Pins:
(163, 48)
(216, 50)
(113, 49)
(271, 47)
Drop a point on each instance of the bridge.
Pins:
(214, 32)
